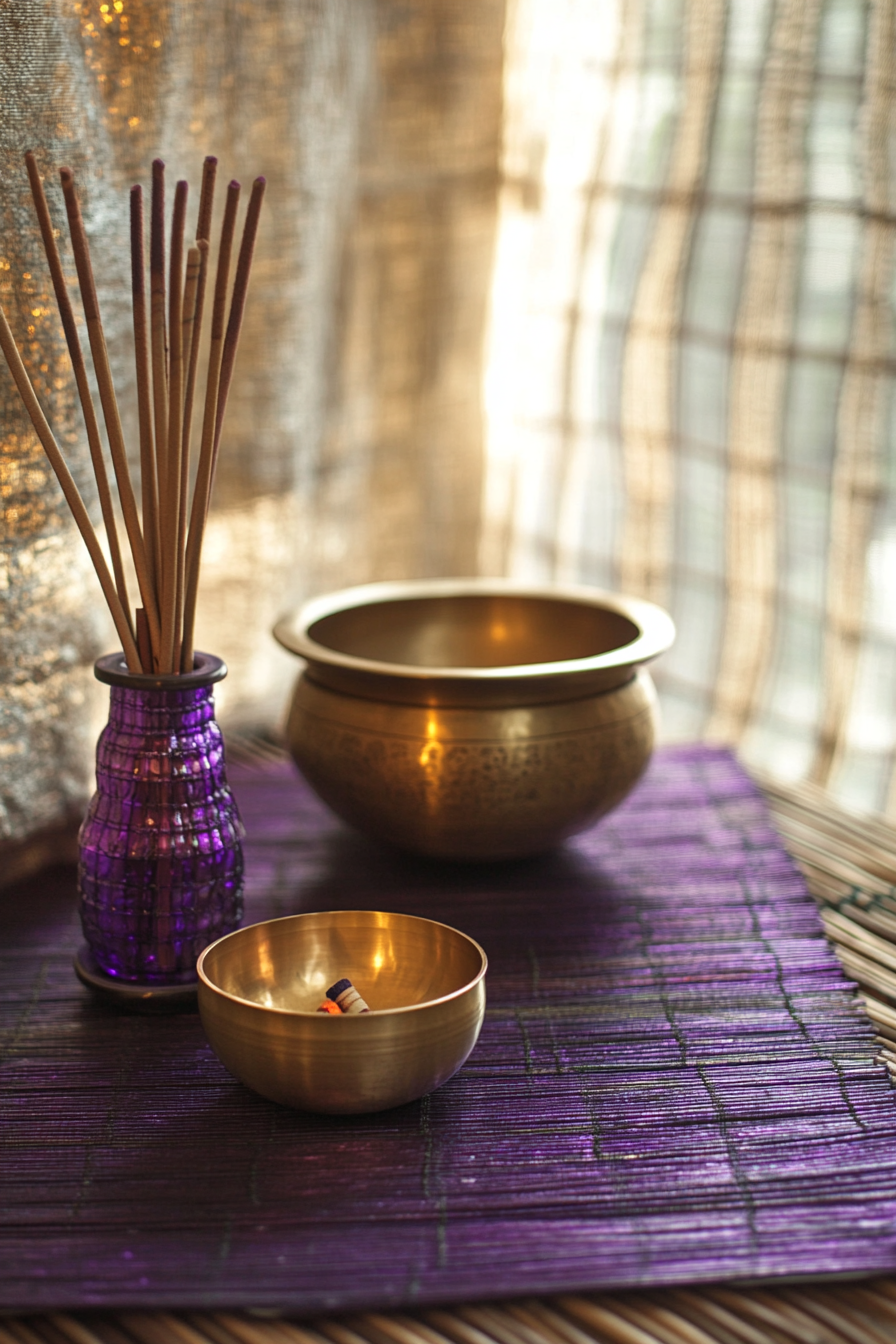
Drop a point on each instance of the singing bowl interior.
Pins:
(474, 630)
(396, 962)
(259, 990)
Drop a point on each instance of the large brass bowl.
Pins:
(259, 990)
(476, 718)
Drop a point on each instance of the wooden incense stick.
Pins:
(228, 358)
(202, 488)
(80, 370)
(148, 478)
(203, 235)
(71, 492)
(159, 335)
(171, 508)
(238, 302)
(196, 259)
(143, 642)
(108, 400)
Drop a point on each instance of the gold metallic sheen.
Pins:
(473, 719)
(259, 989)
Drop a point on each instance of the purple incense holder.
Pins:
(160, 872)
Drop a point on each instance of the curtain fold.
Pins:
(570, 291)
(722, 174)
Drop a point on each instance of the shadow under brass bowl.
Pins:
(474, 718)
(259, 990)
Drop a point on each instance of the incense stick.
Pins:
(228, 358)
(107, 398)
(159, 335)
(204, 474)
(206, 198)
(71, 492)
(149, 483)
(196, 260)
(143, 641)
(238, 301)
(166, 554)
(203, 235)
(175, 428)
(76, 355)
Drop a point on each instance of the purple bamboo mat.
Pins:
(673, 1084)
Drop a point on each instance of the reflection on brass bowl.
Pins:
(473, 718)
(259, 990)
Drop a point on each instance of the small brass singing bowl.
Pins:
(424, 983)
(476, 718)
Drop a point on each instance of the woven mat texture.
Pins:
(673, 1084)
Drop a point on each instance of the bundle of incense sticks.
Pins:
(166, 545)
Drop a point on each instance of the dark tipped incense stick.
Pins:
(107, 398)
(206, 198)
(196, 259)
(80, 370)
(159, 336)
(195, 266)
(228, 357)
(168, 596)
(202, 488)
(238, 300)
(192, 338)
(71, 492)
(203, 235)
(149, 482)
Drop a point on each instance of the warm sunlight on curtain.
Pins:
(572, 290)
(689, 369)
(353, 443)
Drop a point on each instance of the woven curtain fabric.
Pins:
(575, 291)
(353, 444)
(689, 369)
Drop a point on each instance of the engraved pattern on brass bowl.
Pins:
(473, 719)
(259, 989)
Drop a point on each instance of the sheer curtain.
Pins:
(690, 365)
(563, 289)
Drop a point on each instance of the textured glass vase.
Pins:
(160, 871)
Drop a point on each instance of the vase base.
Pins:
(133, 995)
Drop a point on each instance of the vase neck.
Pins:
(113, 670)
(153, 710)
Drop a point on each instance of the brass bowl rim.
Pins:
(656, 628)
(351, 1017)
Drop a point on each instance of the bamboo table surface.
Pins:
(850, 867)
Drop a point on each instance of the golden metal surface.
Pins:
(473, 719)
(474, 641)
(259, 990)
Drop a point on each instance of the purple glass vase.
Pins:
(160, 872)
